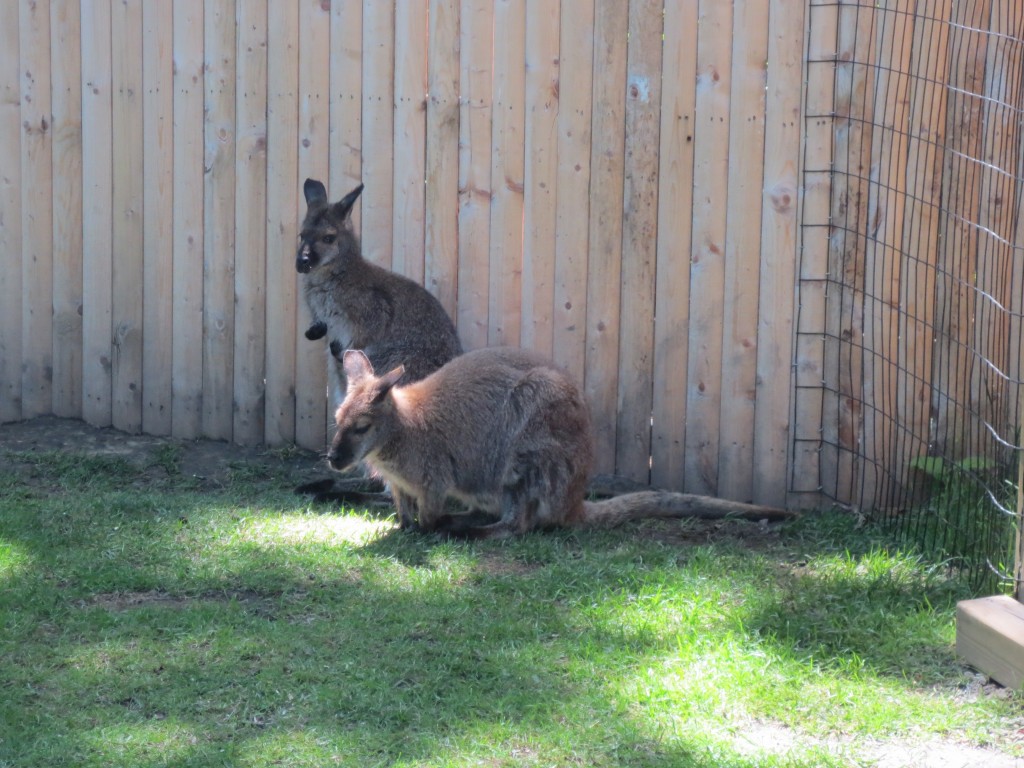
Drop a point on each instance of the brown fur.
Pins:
(359, 305)
(501, 430)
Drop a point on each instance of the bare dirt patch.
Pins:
(209, 462)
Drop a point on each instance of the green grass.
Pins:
(145, 622)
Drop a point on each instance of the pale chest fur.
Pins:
(321, 294)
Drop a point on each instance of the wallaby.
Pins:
(393, 319)
(501, 430)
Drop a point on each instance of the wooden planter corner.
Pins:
(990, 637)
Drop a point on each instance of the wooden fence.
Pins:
(614, 184)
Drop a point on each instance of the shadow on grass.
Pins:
(174, 629)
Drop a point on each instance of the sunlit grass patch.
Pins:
(14, 560)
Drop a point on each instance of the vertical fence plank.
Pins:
(218, 216)
(442, 155)
(10, 214)
(158, 218)
(930, 45)
(378, 130)
(410, 139)
(886, 201)
(346, 114)
(1015, 362)
(809, 457)
(66, 79)
(572, 205)
(611, 24)
(250, 197)
(958, 253)
(282, 210)
(507, 173)
(639, 240)
(843, 351)
(127, 266)
(675, 202)
(541, 91)
(97, 236)
(314, 87)
(779, 224)
(743, 244)
(476, 106)
(707, 273)
(997, 205)
(187, 335)
(37, 212)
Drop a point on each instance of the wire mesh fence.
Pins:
(914, 244)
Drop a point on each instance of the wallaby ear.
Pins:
(357, 365)
(343, 207)
(387, 381)
(315, 191)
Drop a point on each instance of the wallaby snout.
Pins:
(340, 456)
(305, 259)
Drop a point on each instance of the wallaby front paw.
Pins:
(316, 331)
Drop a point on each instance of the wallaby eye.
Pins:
(328, 239)
(361, 429)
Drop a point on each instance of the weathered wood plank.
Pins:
(250, 315)
(779, 231)
(812, 457)
(410, 138)
(958, 235)
(639, 240)
(346, 114)
(675, 229)
(541, 91)
(311, 358)
(990, 637)
(507, 173)
(128, 192)
(378, 131)
(707, 255)
(611, 25)
(575, 106)
(219, 217)
(97, 235)
(158, 217)
(282, 226)
(37, 212)
(10, 214)
(991, 390)
(441, 269)
(882, 278)
(66, 82)
(843, 349)
(476, 107)
(746, 184)
(187, 324)
(928, 66)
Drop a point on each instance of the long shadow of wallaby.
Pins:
(357, 305)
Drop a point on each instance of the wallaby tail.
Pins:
(644, 504)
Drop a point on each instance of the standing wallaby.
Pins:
(359, 305)
(394, 320)
(501, 430)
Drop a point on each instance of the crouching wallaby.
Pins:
(501, 430)
(359, 305)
